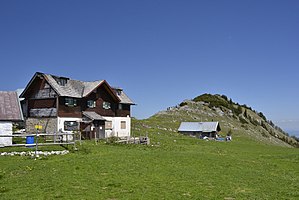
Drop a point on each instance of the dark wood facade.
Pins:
(125, 111)
(69, 111)
(100, 96)
(41, 100)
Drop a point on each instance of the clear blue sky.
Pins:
(160, 52)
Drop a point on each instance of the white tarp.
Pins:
(5, 129)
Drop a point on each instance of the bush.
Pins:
(183, 104)
(262, 116)
(112, 140)
(213, 100)
(224, 97)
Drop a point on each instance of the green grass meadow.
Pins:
(173, 167)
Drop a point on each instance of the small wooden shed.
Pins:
(200, 129)
(10, 112)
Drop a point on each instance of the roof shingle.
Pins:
(198, 126)
(80, 89)
(93, 115)
(10, 109)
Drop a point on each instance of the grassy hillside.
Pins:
(255, 165)
(173, 167)
(242, 120)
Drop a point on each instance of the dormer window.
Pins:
(118, 92)
(62, 81)
(91, 104)
(106, 105)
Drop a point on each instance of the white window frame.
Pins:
(74, 127)
(106, 105)
(70, 102)
(91, 104)
(108, 125)
(123, 125)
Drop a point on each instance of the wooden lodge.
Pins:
(61, 104)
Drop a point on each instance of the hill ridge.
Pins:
(242, 120)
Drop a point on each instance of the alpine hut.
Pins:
(200, 129)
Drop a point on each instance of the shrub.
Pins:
(230, 132)
(262, 116)
(183, 104)
(224, 97)
(112, 140)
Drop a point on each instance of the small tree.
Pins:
(245, 113)
(262, 116)
(230, 132)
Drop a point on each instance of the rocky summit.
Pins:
(240, 120)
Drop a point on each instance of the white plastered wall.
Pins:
(60, 126)
(61, 120)
(5, 129)
(116, 127)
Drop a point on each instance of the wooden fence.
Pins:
(47, 138)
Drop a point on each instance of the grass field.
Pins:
(175, 167)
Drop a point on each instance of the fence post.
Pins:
(36, 141)
(95, 138)
(80, 137)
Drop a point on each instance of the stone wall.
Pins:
(48, 124)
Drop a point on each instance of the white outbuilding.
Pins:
(10, 112)
(200, 129)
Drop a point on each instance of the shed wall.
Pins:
(5, 129)
(117, 129)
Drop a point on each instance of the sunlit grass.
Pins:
(173, 167)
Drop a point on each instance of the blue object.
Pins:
(30, 140)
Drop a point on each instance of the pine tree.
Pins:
(245, 113)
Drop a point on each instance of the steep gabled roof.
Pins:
(73, 88)
(124, 99)
(199, 127)
(10, 109)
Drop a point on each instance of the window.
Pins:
(120, 106)
(71, 126)
(123, 125)
(91, 104)
(106, 105)
(62, 81)
(71, 102)
(108, 125)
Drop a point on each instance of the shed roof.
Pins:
(10, 109)
(93, 115)
(199, 127)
